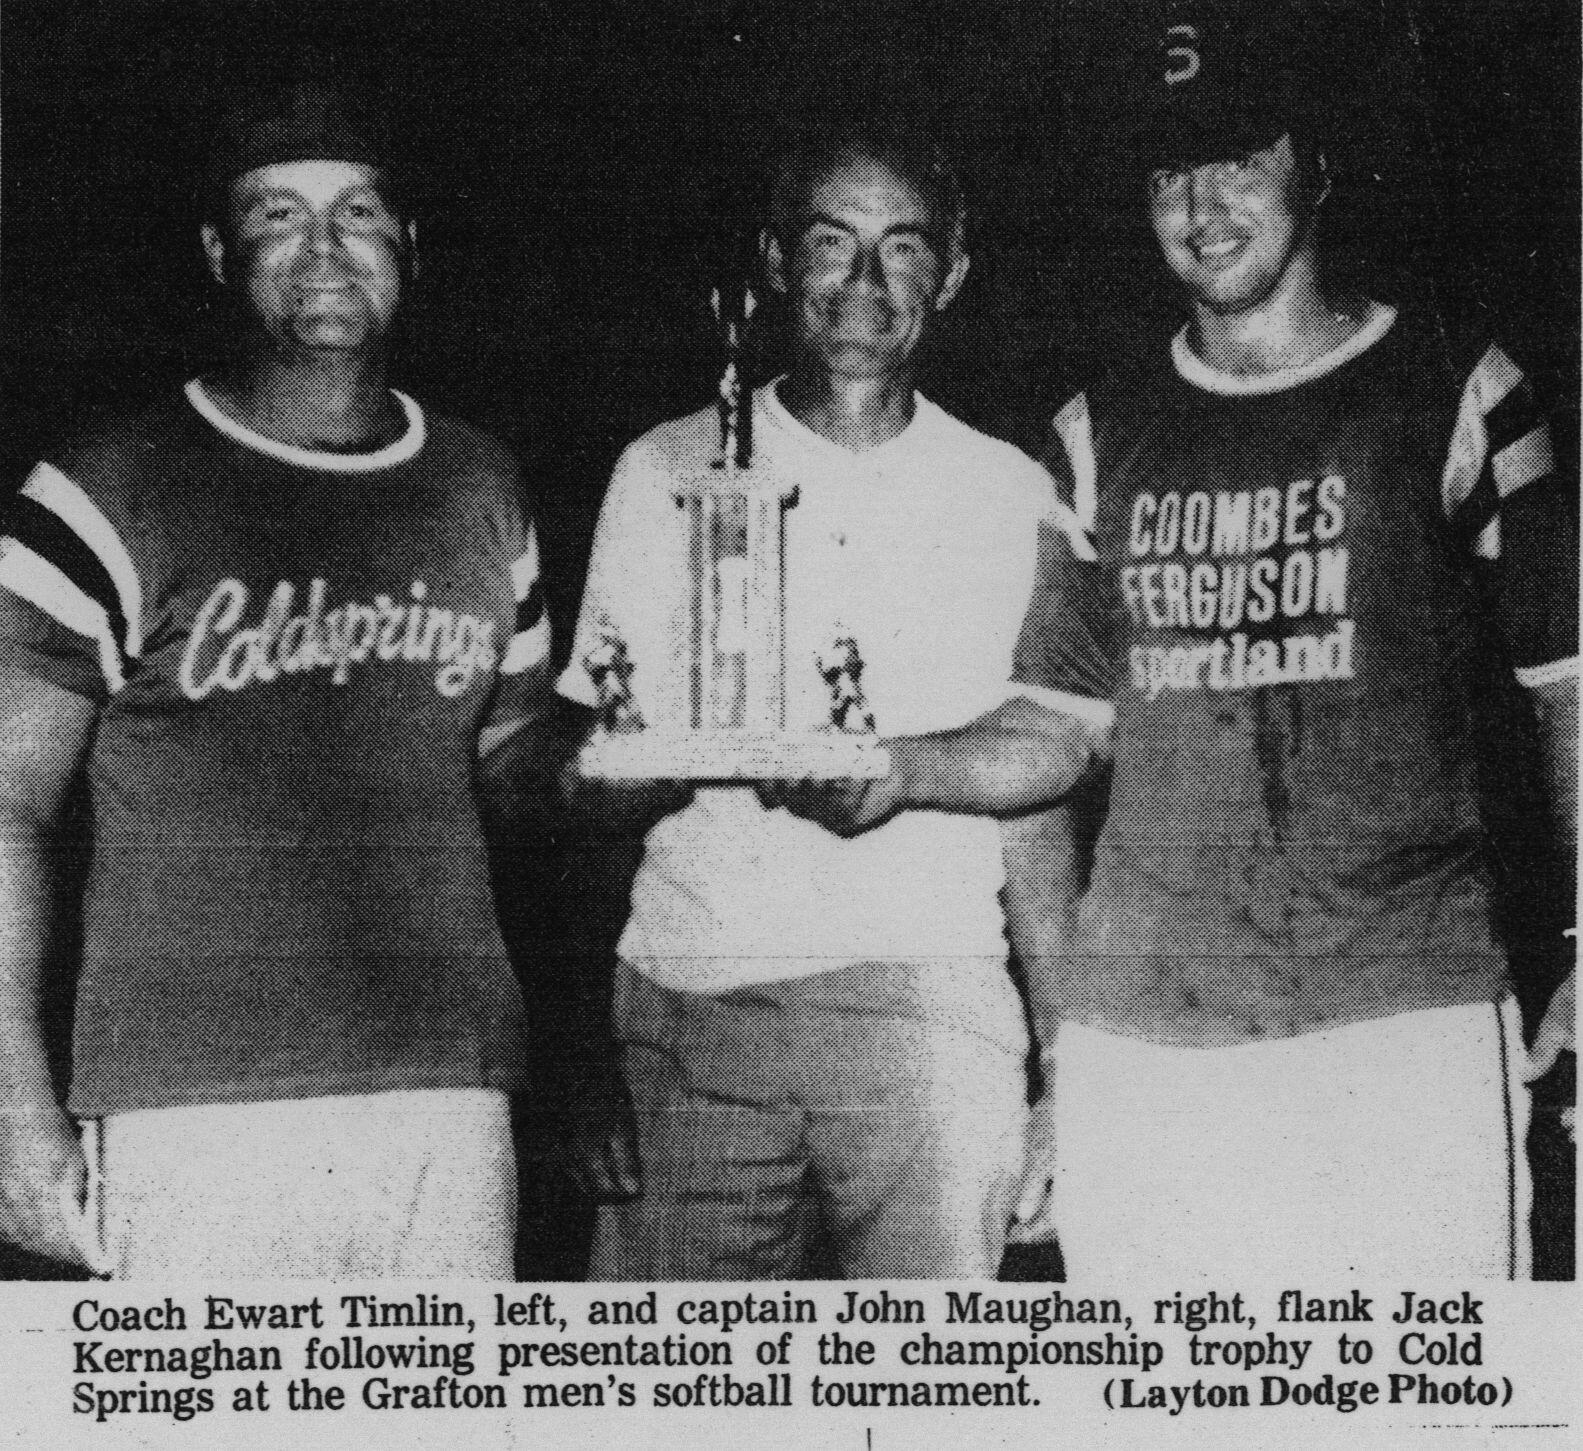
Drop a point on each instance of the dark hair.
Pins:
(911, 152)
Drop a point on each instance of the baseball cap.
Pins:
(1216, 89)
(296, 123)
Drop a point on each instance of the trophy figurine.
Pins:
(736, 626)
(842, 668)
(611, 672)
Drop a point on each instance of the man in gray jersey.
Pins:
(285, 626)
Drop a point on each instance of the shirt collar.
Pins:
(400, 451)
(1196, 371)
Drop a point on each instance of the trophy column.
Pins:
(736, 559)
(736, 629)
(736, 564)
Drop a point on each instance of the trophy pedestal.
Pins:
(732, 755)
(735, 644)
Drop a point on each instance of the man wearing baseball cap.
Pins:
(1277, 1030)
(285, 627)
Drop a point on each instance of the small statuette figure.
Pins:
(842, 668)
(735, 401)
(611, 672)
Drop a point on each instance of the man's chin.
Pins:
(865, 359)
(327, 336)
(1228, 294)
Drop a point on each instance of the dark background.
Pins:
(586, 171)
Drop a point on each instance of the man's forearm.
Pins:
(26, 898)
(1020, 757)
(1049, 860)
(1556, 709)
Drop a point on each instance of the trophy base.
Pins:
(732, 755)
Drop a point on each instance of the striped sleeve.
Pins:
(1074, 467)
(530, 639)
(637, 591)
(1063, 659)
(525, 689)
(1509, 504)
(71, 598)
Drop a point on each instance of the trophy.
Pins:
(737, 566)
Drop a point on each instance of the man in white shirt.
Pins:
(820, 1029)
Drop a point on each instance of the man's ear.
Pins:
(774, 260)
(954, 278)
(214, 250)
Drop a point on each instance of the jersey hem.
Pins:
(92, 1104)
(1259, 1025)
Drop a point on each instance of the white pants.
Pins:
(1384, 1148)
(416, 1184)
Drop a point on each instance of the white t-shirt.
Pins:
(922, 550)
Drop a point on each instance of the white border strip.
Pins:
(1535, 676)
(1530, 457)
(1100, 713)
(392, 454)
(50, 488)
(1194, 370)
(492, 737)
(527, 648)
(525, 568)
(1076, 432)
(33, 578)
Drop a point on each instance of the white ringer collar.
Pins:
(1195, 370)
(398, 452)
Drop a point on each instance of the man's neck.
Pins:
(336, 402)
(1295, 325)
(857, 413)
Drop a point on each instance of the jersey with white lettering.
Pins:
(294, 654)
(1281, 587)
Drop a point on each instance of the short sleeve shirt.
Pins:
(1280, 586)
(293, 654)
(922, 551)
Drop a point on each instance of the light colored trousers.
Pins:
(1383, 1149)
(857, 1099)
(417, 1184)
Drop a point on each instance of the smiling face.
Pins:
(318, 251)
(1231, 229)
(869, 262)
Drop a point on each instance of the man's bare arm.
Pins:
(1556, 707)
(541, 812)
(44, 737)
(1049, 861)
(1022, 756)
